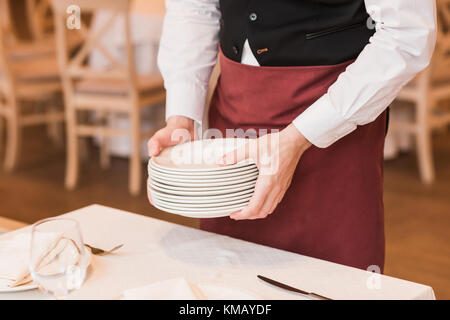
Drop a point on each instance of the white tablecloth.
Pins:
(155, 250)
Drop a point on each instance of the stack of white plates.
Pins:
(186, 179)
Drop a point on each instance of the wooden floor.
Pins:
(417, 217)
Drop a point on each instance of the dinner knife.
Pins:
(292, 289)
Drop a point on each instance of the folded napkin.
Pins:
(173, 289)
(15, 255)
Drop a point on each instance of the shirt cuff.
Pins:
(184, 99)
(321, 124)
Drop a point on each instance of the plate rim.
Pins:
(201, 210)
(202, 205)
(237, 141)
(201, 189)
(194, 215)
(202, 184)
(212, 197)
(203, 192)
(202, 176)
(235, 167)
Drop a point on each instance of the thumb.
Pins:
(159, 141)
(154, 147)
(235, 156)
(167, 137)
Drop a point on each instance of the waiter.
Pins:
(323, 72)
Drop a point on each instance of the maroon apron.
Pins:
(333, 209)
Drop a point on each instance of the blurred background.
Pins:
(57, 155)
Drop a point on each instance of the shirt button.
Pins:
(253, 16)
(235, 49)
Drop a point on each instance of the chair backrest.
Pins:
(3, 23)
(6, 21)
(39, 16)
(443, 41)
(93, 5)
(5, 38)
(3, 67)
(73, 67)
(441, 58)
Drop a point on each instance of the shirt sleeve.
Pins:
(401, 47)
(187, 54)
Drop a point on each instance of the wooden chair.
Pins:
(30, 81)
(426, 92)
(41, 41)
(116, 90)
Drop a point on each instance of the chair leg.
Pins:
(13, 142)
(424, 143)
(55, 131)
(425, 156)
(83, 147)
(105, 160)
(72, 157)
(84, 141)
(2, 127)
(135, 178)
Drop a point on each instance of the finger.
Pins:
(234, 156)
(153, 147)
(270, 203)
(156, 142)
(235, 213)
(165, 138)
(180, 135)
(239, 154)
(251, 211)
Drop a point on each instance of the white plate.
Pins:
(189, 214)
(205, 183)
(201, 176)
(31, 285)
(200, 191)
(200, 155)
(228, 170)
(190, 188)
(217, 205)
(233, 207)
(202, 199)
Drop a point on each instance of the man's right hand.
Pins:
(177, 130)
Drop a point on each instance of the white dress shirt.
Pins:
(401, 47)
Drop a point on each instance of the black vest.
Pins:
(295, 32)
